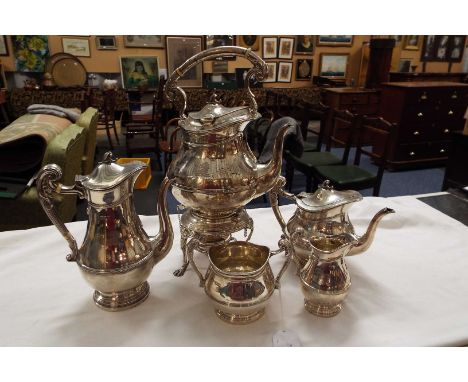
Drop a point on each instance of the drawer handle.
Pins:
(420, 114)
(454, 95)
(424, 95)
(412, 154)
(442, 151)
(450, 112)
(446, 131)
(416, 132)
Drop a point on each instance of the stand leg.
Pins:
(181, 271)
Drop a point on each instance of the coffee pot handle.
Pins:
(273, 195)
(259, 70)
(47, 187)
(191, 245)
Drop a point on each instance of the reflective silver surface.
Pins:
(116, 256)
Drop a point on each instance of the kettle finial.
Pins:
(214, 98)
(108, 158)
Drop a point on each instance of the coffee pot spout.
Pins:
(365, 241)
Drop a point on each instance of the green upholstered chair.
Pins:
(88, 120)
(351, 176)
(305, 164)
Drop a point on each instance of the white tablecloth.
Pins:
(409, 288)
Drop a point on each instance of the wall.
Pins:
(102, 61)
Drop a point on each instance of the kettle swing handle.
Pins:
(259, 70)
(273, 195)
(47, 187)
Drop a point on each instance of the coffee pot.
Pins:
(117, 255)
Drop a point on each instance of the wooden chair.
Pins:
(311, 159)
(106, 116)
(169, 144)
(371, 129)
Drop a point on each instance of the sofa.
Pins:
(72, 150)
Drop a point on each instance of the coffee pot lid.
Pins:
(109, 174)
(326, 197)
(214, 116)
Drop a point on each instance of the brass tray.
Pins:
(69, 71)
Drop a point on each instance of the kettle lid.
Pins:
(214, 116)
(109, 174)
(326, 197)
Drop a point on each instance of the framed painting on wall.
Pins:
(213, 41)
(285, 71)
(106, 43)
(304, 45)
(333, 65)
(79, 47)
(412, 42)
(304, 69)
(144, 41)
(3, 46)
(178, 50)
(271, 73)
(404, 66)
(139, 71)
(286, 47)
(270, 47)
(335, 40)
(249, 41)
(457, 45)
(30, 52)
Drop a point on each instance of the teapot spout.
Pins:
(162, 243)
(269, 172)
(364, 242)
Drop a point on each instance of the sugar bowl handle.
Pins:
(47, 187)
(259, 69)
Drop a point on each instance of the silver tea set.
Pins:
(213, 176)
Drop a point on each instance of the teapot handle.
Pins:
(47, 186)
(276, 191)
(259, 70)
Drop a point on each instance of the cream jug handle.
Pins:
(190, 248)
(259, 69)
(47, 186)
(276, 191)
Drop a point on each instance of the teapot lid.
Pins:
(109, 174)
(326, 197)
(214, 116)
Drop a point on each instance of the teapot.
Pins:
(116, 256)
(324, 212)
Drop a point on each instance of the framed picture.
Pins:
(271, 74)
(286, 47)
(428, 48)
(404, 65)
(304, 69)
(106, 43)
(139, 71)
(270, 47)
(219, 67)
(178, 50)
(79, 47)
(304, 45)
(411, 42)
(144, 41)
(3, 46)
(285, 71)
(457, 46)
(30, 52)
(249, 41)
(335, 40)
(212, 41)
(333, 65)
(220, 81)
(241, 74)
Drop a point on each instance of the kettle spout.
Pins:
(162, 243)
(364, 242)
(269, 172)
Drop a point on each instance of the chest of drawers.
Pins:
(425, 113)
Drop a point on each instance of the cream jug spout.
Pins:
(364, 242)
(162, 242)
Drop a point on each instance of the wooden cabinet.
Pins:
(425, 113)
(456, 174)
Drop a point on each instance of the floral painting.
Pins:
(30, 52)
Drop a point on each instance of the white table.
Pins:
(409, 288)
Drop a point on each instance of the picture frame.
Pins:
(412, 42)
(457, 46)
(30, 52)
(213, 41)
(304, 45)
(285, 71)
(335, 40)
(286, 47)
(428, 48)
(249, 41)
(304, 68)
(139, 72)
(270, 47)
(3, 46)
(144, 41)
(106, 43)
(178, 50)
(79, 47)
(219, 67)
(404, 65)
(437, 48)
(333, 65)
(271, 73)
